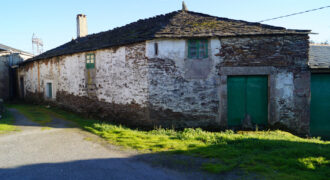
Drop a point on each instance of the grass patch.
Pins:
(272, 154)
(37, 114)
(88, 139)
(218, 167)
(6, 123)
(46, 128)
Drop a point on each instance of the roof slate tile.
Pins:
(177, 24)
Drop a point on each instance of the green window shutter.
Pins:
(203, 49)
(197, 49)
(92, 65)
(90, 61)
(87, 61)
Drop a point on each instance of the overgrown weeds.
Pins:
(6, 123)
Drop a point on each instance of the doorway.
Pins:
(247, 95)
(320, 105)
(21, 80)
(49, 90)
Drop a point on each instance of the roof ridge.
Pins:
(175, 24)
(244, 21)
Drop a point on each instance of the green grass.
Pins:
(6, 123)
(46, 128)
(35, 113)
(271, 154)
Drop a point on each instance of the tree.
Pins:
(325, 43)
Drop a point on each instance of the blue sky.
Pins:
(55, 21)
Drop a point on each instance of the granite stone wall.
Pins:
(284, 60)
(176, 101)
(4, 78)
(289, 51)
(116, 90)
(183, 92)
(133, 85)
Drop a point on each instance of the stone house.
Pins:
(9, 57)
(181, 69)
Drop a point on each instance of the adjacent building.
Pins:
(9, 57)
(181, 69)
(319, 62)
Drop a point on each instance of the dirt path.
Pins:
(62, 151)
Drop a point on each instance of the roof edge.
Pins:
(49, 55)
(8, 48)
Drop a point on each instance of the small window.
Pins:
(90, 61)
(49, 90)
(156, 49)
(197, 49)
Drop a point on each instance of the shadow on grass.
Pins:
(252, 158)
(270, 158)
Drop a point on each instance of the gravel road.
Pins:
(62, 151)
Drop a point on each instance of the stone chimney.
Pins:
(184, 6)
(81, 25)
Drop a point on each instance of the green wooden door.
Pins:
(320, 105)
(236, 90)
(247, 95)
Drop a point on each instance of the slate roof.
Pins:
(319, 56)
(177, 24)
(7, 48)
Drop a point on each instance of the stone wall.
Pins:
(183, 92)
(284, 59)
(4, 78)
(117, 90)
(7, 75)
(135, 86)
(181, 95)
(278, 51)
